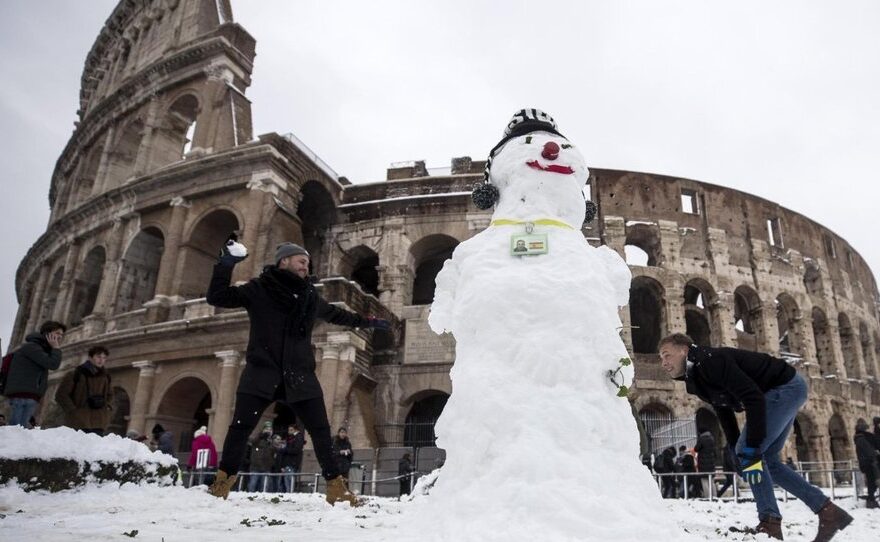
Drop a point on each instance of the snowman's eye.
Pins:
(528, 139)
(565, 146)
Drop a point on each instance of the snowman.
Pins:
(539, 444)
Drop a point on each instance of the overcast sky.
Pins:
(779, 99)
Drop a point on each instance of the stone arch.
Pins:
(647, 314)
(428, 255)
(839, 441)
(868, 346)
(701, 312)
(813, 279)
(317, 212)
(804, 435)
(139, 270)
(200, 251)
(657, 419)
(748, 317)
(87, 285)
(174, 140)
(123, 158)
(184, 408)
(121, 412)
(787, 317)
(645, 237)
(848, 345)
(360, 265)
(422, 416)
(52, 295)
(824, 346)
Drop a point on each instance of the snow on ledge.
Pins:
(66, 443)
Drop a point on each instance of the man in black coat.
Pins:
(289, 458)
(342, 451)
(282, 304)
(664, 463)
(705, 449)
(770, 392)
(869, 459)
(29, 369)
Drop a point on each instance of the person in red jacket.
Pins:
(203, 456)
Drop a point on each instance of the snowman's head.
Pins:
(537, 172)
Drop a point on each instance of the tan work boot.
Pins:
(222, 484)
(832, 518)
(337, 491)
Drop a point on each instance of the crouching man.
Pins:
(771, 393)
(282, 305)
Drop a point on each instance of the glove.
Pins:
(233, 252)
(751, 465)
(378, 323)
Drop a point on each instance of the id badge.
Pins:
(529, 244)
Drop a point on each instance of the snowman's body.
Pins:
(538, 445)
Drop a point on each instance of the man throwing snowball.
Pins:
(771, 393)
(282, 305)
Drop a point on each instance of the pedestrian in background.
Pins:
(86, 394)
(29, 369)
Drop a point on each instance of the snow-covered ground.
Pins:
(173, 513)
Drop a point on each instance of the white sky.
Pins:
(777, 99)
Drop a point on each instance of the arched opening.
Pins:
(121, 161)
(646, 238)
(747, 315)
(867, 349)
(804, 431)
(646, 310)
(87, 285)
(787, 317)
(140, 268)
(121, 412)
(636, 256)
(200, 251)
(184, 408)
(178, 128)
(418, 430)
(840, 448)
(429, 254)
(361, 265)
(813, 278)
(822, 338)
(849, 346)
(50, 299)
(316, 212)
(660, 427)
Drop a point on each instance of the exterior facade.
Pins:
(163, 165)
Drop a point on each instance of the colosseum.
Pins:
(163, 165)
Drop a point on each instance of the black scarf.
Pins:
(291, 293)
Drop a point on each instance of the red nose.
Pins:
(551, 151)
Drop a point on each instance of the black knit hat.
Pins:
(523, 122)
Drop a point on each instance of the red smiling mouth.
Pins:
(552, 168)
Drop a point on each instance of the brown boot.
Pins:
(222, 484)
(832, 518)
(337, 491)
(771, 526)
(871, 503)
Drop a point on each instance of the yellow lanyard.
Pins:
(539, 222)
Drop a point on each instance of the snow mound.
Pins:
(66, 443)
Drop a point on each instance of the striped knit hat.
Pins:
(523, 122)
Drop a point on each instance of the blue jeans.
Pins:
(22, 410)
(287, 483)
(258, 481)
(783, 403)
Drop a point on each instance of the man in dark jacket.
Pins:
(262, 455)
(869, 458)
(705, 449)
(404, 472)
(342, 451)
(164, 439)
(665, 464)
(86, 394)
(288, 459)
(29, 369)
(282, 304)
(770, 392)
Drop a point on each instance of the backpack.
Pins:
(4, 371)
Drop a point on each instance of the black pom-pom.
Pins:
(592, 209)
(485, 195)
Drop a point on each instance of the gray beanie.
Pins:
(288, 249)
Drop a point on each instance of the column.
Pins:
(723, 310)
(674, 301)
(100, 183)
(768, 328)
(836, 348)
(168, 265)
(95, 322)
(335, 371)
(65, 291)
(259, 207)
(223, 407)
(37, 298)
(142, 395)
(144, 153)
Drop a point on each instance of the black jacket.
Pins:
(282, 308)
(291, 455)
(866, 451)
(665, 462)
(705, 449)
(29, 368)
(342, 454)
(733, 380)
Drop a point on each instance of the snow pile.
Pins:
(538, 444)
(66, 443)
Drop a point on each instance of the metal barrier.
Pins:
(852, 476)
(296, 482)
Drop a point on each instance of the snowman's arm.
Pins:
(619, 275)
(440, 318)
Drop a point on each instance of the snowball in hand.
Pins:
(236, 249)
